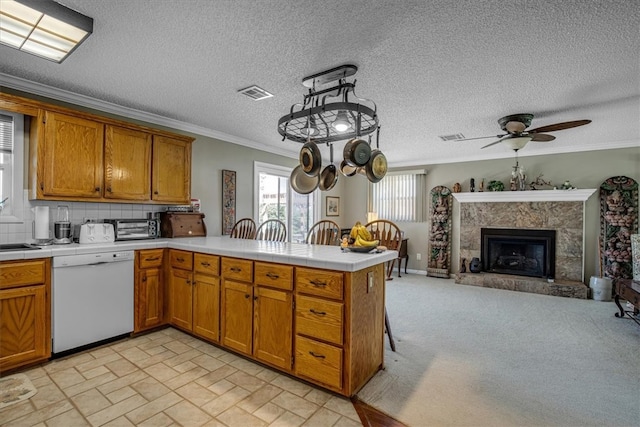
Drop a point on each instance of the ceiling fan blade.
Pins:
(542, 137)
(493, 143)
(480, 137)
(560, 126)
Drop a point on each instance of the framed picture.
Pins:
(228, 201)
(333, 206)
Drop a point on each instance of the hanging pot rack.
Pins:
(316, 112)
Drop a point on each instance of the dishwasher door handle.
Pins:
(98, 263)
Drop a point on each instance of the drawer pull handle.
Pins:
(180, 259)
(318, 313)
(318, 283)
(188, 282)
(273, 276)
(236, 269)
(152, 259)
(144, 278)
(319, 356)
(205, 264)
(247, 296)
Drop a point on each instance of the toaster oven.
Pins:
(135, 229)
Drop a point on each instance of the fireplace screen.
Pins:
(522, 252)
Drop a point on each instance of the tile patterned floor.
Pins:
(168, 378)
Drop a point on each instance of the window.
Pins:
(11, 166)
(400, 196)
(276, 200)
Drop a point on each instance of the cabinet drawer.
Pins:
(319, 362)
(181, 259)
(20, 273)
(319, 282)
(150, 258)
(237, 269)
(274, 275)
(319, 319)
(206, 264)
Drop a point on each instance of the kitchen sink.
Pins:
(6, 247)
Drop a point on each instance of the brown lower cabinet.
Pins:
(322, 326)
(194, 293)
(148, 289)
(25, 312)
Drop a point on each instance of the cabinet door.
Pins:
(23, 326)
(127, 164)
(171, 173)
(273, 327)
(237, 315)
(149, 299)
(181, 298)
(206, 307)
(72, 161)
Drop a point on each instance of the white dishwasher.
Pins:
(92, 298)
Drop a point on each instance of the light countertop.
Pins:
(299, 254)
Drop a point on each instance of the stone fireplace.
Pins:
(529, 215)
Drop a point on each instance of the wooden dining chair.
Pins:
(244, 229)
(325, 232)
(390, 236)
(273, 230)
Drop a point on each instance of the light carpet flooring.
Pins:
(471, 356)
(168, 378)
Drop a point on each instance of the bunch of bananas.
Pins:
(361, 236)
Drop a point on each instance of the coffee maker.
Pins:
(62, 226)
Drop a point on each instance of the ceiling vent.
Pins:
(452, 137)
(256, 93)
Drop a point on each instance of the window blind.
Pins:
(399, 197)
(6, 134)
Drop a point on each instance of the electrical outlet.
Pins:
(370, 281)
(418, 257)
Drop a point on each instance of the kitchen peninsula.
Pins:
(312, 311)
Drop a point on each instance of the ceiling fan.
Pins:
(516, 136)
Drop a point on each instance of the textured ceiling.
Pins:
(432, 67)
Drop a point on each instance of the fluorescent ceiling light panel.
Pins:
(43, 28)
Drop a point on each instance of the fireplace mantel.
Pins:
(578, 195)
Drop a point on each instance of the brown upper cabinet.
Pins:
(78, 156)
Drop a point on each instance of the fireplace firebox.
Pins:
(520, 251)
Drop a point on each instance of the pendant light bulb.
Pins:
(310, 128)
(341, 123)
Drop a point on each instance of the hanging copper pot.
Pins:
(377, 165)
(346, 169)
(357, 152)
(310, 159)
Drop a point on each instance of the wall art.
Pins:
(228, 201)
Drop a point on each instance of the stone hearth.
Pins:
(534, 285)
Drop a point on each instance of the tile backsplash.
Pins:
(79, 212)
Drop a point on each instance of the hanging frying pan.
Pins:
(377, 165)
(357, 152)
(310, 158)
(329, 175)
(301, 182)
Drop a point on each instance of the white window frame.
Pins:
(16, 198)
(284, 172)
(420, 196)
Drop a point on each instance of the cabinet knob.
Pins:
(144, 278)
(155, 192)
(247, 296)
(97, 189)
(255, 298)
(109, 189)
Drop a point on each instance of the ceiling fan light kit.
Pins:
(517, 135)
(329, 114)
